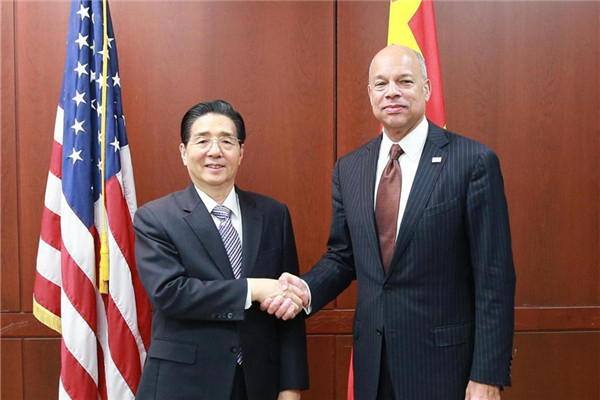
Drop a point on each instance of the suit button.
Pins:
(379, 331)
(235, 349)
(387, 288)
(229, 315)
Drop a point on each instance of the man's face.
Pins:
(212, 168)
(397, 90)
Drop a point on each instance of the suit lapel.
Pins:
(200, 221)
(252, 223)
(367, 188)
(426, 177)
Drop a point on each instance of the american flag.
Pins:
(104, 336)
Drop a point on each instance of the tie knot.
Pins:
(395, 152)
(221, 212)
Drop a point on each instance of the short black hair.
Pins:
(216, 107)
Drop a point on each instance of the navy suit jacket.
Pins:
(199, 321)
(446, 305)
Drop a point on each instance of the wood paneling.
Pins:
(339, 322)
(527, 319)
(523, 78)
(546, 366)
(41, 371)
(530, 319)
(297, 71)
(556, 366)
(321, 359)
(362, 32)
(24, 325)
(9, 248)
(11, 374)
(329, 358)
(342, 362)
(39, 64)
(277, 71)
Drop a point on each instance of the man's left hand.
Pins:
(289, 395)
(481, 391)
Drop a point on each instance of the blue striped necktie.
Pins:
(232, 243)
(231, 239)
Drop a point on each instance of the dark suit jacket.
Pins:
(445, 307)
(199, 320)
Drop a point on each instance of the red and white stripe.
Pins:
(104, 337)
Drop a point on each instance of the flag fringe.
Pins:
(46, 317)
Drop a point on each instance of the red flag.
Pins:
(104, 336)
(412, 24)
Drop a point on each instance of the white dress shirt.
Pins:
(233, 203)
(412, 144)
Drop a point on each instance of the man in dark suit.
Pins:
(420, 220)
(203, 254)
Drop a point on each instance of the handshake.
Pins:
(284, 297)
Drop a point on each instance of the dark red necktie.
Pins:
(386, 208)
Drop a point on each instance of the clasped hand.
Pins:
(284, 297)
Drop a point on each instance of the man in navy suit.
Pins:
(420, 221)
(203, 254)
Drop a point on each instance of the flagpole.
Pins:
(104, 261)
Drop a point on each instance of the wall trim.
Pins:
(339, 322)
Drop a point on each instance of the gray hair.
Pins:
(421, 64)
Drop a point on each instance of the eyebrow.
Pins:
(222, 133)
(404, 75)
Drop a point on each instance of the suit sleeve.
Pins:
(169, 288)
(493, 271)
(294, 363)
(335, 270)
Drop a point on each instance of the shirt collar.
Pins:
(412, 143)
(231, 201)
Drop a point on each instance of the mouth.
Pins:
(394, 108)
(215, 167)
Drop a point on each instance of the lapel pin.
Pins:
(436, 160)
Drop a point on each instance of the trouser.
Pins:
(239, 385)
(385, 389)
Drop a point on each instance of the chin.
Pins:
(213, 182)
(395, 125)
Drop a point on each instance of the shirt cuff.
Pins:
(248, 296)
(308, 308)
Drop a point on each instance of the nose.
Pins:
(393, 90)
(214, 150)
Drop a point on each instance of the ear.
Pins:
(183, 152)
(241, 154)
(370, 93)
(427, 89)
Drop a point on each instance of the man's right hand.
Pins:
(282, 308)
(289, 297)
